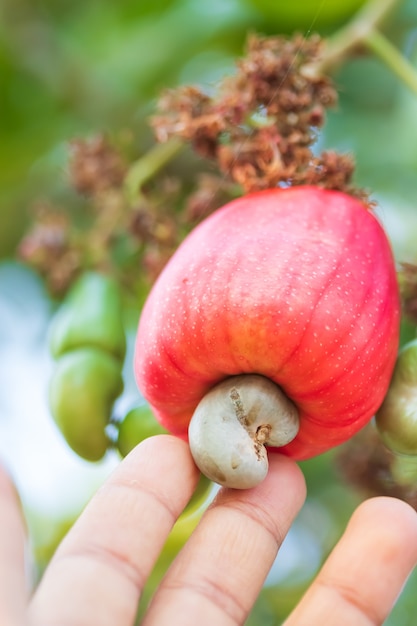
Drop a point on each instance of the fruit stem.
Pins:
(144, 168)
(362, 32)
(354, 34)
(234, 422)
(388, 53)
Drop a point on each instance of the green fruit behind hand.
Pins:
(200, 496)
(396, 419)
(139, 424)
(83, 388)
(90, 316)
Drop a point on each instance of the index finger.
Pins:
(99, 571)
(220, 571)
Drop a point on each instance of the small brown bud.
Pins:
(95, 166)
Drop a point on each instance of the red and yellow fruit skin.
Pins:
(298, 285)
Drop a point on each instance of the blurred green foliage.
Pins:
(72, 68)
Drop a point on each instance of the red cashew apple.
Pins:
(289, 299)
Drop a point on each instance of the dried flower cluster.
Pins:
(259, 129)
(262, 123)
(408, 284)
(54, 246)
(113, 236)
(50, 249)
(365, 463)
(95, 166)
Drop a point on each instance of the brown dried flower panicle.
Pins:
(259, 129)
(49, 248)
(407, 276)
(262, 123)
(95, 166)
(367, 465)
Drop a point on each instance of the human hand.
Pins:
(99, 570)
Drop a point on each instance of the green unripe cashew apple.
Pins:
(137, 425)
(90, 316)
(87, 339)
(83, 388)
(396, 420)
(276, 323)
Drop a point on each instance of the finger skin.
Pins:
(13, 585)
(362, 578)
(220, 571)
(98, 572)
